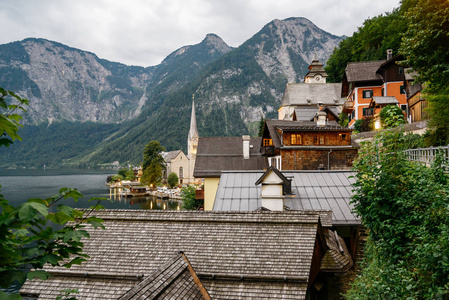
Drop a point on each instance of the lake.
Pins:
(17, 186)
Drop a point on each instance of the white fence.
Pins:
(427, 155)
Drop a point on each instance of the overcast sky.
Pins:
(144, 32)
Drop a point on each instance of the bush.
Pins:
(189, 198)
(391, 116)
(172, 179)
(362, 125)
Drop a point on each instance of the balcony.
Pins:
(268, 151)
(348, 106)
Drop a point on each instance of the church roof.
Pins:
(193, 132)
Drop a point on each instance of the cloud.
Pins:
(141, 32)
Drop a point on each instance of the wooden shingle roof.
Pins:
(363, 71)
(233, 253)
(216, 154)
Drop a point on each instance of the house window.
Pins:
(404, 107)
(295, 139)
(267, 142)
(344, 136)
(321, 140)
(275, 162)
(403, 89)
(367, 112)
(367, 94)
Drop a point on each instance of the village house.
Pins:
(203, 255)
(363, 81)
(308, 145)
(417, 104)
(216, 154)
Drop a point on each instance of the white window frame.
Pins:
(275, 161)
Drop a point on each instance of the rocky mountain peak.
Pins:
(216, 43)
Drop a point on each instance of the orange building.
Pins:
(362, 81)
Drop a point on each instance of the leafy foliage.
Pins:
(189, 201)
(362, 125)
(10, 119)
(404, 207)
(153, 163)
(172, 179)
(391, 116)
(344, 119)
(369, 42)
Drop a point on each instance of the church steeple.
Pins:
(193, 132)
(316, 73)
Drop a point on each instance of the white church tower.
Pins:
(192, 142)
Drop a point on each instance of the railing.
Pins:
(427, 155)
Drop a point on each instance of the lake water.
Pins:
(17, 186)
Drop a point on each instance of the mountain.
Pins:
(232, 88)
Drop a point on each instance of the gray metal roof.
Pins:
(313, 190)
(311, 94)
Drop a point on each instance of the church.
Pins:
(180, 163)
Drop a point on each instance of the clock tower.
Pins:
(192, 141)
(316, 72)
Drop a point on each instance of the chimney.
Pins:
(389, 54)
(246, 139)
(321, 118)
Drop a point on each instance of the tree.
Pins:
(153, 154)
(404, 207)
(153, 163)
(424, 46)
(27, 237)
(261, 126)
(126, 173)
(344, 119)
(391, 116)
(172, 179)
(189, 201)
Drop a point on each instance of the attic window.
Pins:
(367, 94)
(344, 136)
(267, 142)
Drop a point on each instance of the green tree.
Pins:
(27, 237)
(153, 154)
(153, 163)
(189, 201)
(344, 119)
(391, 116)
(261, 126)
(126, 173)
(172, 179)
(404, 207)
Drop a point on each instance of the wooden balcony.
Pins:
(268, 151)
(348, 106)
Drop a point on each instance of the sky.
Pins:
(144, 32)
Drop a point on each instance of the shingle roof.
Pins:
(251, 253)
(305, 113)
(286, 125)
(312, 190)
(171, 155)
(337, 258)
(385, 100)
(363, 71)
(172, 280)
(310, 94)
(216, 154)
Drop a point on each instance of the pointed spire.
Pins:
(193, 130)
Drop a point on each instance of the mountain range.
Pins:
(89, 112)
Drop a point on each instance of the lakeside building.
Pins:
(203, 255)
